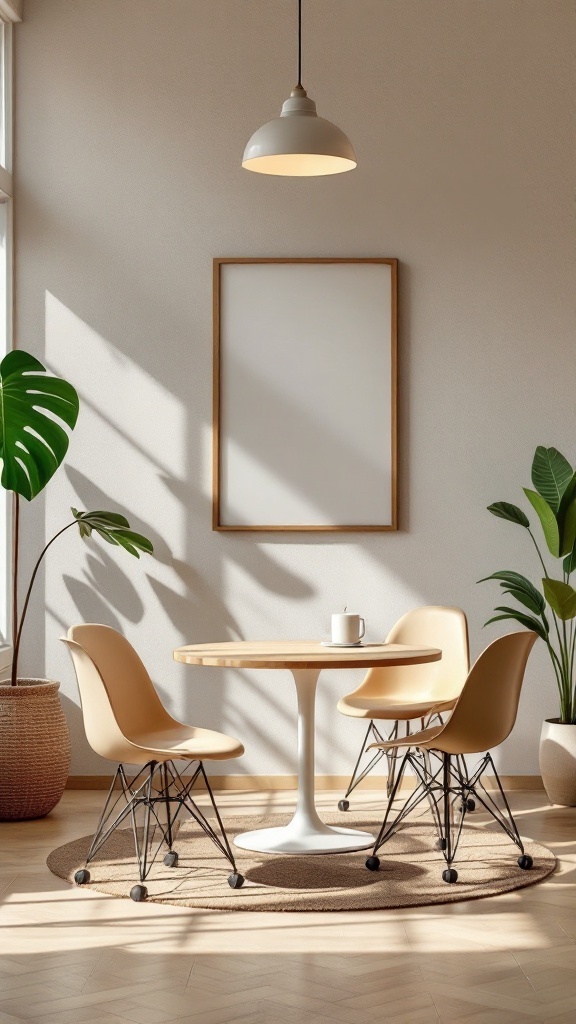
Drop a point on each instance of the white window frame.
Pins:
(10, 12)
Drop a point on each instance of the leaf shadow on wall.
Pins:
(244, 550)
(194, 612)
(104, 587)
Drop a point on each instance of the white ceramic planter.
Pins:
(558, 762)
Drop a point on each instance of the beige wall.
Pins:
(131, 120)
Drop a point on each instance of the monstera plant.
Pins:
(549, 608)
(37, 413)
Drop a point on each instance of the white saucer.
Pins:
(328, 643)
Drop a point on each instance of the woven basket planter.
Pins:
(34, 749)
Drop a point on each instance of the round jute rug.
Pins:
(410, 871)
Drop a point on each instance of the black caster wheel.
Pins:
(440, 844)
(525, 862)
(373, 863)
(449, 875)
(82, 877)
(235, 881)
(171, 859)
(138, 893)
(343, 805)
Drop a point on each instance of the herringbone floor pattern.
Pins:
(68, 956)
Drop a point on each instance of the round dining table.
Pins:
(306, 833)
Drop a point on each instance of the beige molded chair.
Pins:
(401, 693)
(482, 719)
(126, 722)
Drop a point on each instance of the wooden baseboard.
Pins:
(336, 783)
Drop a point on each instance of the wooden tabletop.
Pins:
(302, 654)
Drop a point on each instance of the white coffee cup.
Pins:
(347, 628)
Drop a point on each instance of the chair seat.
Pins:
(424, 739)
(187, 741)
(386, 708)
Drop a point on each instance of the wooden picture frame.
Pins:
(305, 354)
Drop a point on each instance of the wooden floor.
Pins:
(68, 956)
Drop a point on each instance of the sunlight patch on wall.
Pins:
(206, 460)
(120, 391)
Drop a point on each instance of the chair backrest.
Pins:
(431, 626)
(119, 701)
(486, 710)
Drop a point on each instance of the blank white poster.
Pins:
(306, 396)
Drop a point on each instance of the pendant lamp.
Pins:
(299, 143)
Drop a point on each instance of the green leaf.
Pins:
(561, 597)
(568, 528)
(547, 521)
(136, 539)
(551, 475)
(526, 599)
(525, 620)
(568, 496)
(520, 583)
(504, 510)
(105, 534)
(114, 529)
(32, 443)
(123, 541)
(111, 519)
(569, 563)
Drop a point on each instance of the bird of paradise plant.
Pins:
(554, 502)
(35, 409)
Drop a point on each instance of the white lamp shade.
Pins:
(299, 143)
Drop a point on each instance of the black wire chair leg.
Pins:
(429, 781)
(505, 819)
(103, 817)
(449, 875)
(357, 777)
(514, 827)
(166, 787)
(351, 784)
(425, 787)
(156, 800)
(135, 793)
(398, 780)
(229, 853)
(452, 786)
(129, 792)
(235, 880)
(146, 832)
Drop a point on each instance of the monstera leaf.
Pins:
(114, 528)
(32, 441)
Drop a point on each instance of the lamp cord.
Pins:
(300, 43)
